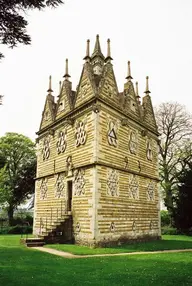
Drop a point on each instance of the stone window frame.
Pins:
(60, 186)
(133, 142)
(134, 188)
(151, 192)
(43, 189)
(46, 148)
(112, 133)
(80, 132)
(149, 150)
(112, 183)
(61, 144)
(79, 182)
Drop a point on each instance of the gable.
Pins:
(86, 87)
(48, 112)
(108, 87)
(131, 105)
(148, 113)
(64, 104)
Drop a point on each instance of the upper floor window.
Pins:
(112, 137)
(149, 151)
(62, 141)
(46, 149)
(81, 133)
(133, 142)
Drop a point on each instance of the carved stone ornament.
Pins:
(149, 151)
(59, 186)
(144, 132)
(151, 191)
(151, 225)
(80, 133)
(96, 107)
(69, 166)
(112, 137)
(112, 227)
(43, 189)
(79, 183)
(62, 141)
(46, 148)
(68, 121)
(133, 143)
(134, 188)
(124, 122)
(51, 132)
(112, 183)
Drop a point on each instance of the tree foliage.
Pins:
(17, 174)
(175, 128)
(183, 202)
(13, 24)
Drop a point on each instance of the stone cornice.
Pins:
(87, 104)
(99, 163)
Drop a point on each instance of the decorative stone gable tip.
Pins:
(129, 77)
(66, 75)
(50, 87)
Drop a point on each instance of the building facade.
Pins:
(97, 160)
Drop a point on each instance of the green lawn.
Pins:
(20, 266)
(167, 242)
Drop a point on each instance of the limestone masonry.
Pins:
(97, 160)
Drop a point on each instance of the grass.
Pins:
(20, 266)
(168, 242)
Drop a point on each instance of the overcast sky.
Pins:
(154, 35)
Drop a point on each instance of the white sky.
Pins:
(154, 35)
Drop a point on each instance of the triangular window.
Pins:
(112, 134)
(112, 137)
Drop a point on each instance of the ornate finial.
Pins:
(66, 75)
(97, 49)
(129, 77)
(137, 91)
(147, 86)
(60, 85)
(87, 57)
(108, 58)
(50, 89)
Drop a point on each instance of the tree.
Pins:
(183, 202)
(17, 174)
(175, 128)
(12, 22)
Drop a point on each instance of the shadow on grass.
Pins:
(21, 266)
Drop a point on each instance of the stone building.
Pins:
(97, 159)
